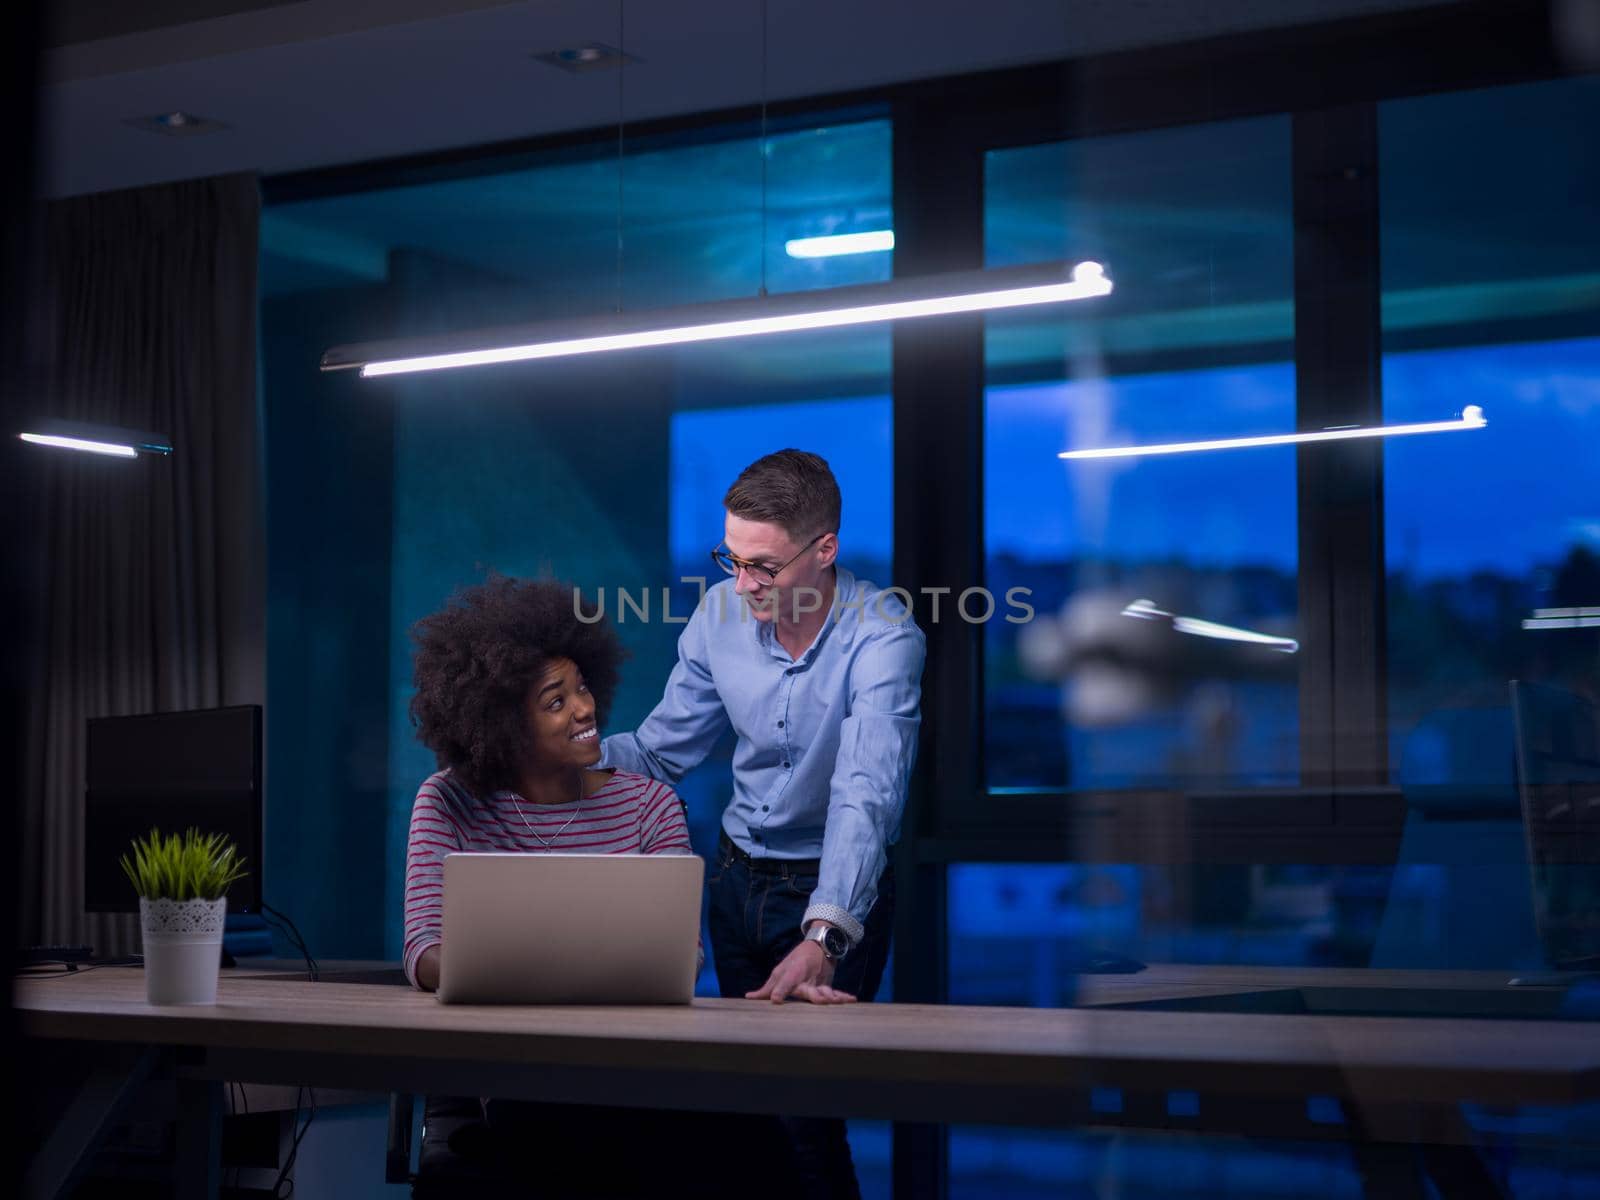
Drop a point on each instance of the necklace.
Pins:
(557, 836)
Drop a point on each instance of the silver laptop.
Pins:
(570, 928)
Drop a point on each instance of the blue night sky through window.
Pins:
(1519, 493)
(711, 446)
(1220, 508)
(1224, 507)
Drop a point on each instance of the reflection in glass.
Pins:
(1084, 697)
(1194, 345)
(1558, 778)
(1471, 418)
(1490, 297)
(873, 241)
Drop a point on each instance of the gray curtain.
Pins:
(153, 569)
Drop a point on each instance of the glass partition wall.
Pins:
(1491, 297)
(1268, 708)
(1211, 621)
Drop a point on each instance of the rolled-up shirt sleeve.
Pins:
(877, 747)
(681, 730)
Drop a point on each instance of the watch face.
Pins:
(835, 943)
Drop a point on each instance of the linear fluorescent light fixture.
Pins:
(864, 304)
(1563, 618)
(1146, 610)
(109, 440)
(870, 242)
(1471, 418)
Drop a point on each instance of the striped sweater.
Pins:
(631, 814)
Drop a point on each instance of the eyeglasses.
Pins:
(764, 576)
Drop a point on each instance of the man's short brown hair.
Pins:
(792, 488)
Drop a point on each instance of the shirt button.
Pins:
(785, 766)
(765, 807)
(780, 724)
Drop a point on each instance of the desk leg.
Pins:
(1398, 1150)
(1461, 1171)
(920, 1158)
(95, 1108)
(1389, 1171)
(199, 1166)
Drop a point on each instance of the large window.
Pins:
(1194, 227)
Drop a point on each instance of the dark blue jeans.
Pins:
(755, 912)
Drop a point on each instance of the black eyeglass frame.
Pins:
(732, 565)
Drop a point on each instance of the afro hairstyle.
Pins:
(476, 660)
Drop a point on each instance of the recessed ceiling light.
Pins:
(176, 123)
(840, 243)
(591, 56)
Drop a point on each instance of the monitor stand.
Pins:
(69, 956)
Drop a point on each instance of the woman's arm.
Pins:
(662, 826)
(435, 832)
(664, 830)
(428, 969)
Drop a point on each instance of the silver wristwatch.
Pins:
(835, 942)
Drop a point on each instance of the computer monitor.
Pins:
(170, 771)
(1558, 782)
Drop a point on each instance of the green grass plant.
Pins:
(191, 867)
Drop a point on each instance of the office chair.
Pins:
(455, 1157)
(397, 1151)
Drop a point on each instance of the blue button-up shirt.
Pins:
(825, 742)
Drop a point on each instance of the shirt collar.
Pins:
(844, 585)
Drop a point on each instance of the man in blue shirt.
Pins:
(819, 676)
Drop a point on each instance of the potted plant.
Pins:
(182, 884)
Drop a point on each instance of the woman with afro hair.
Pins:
(511, 691)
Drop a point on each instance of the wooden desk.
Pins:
(1325, 991)
(1398, 1079)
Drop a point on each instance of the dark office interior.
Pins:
(1252, 842)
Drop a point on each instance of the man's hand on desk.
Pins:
(805, 974)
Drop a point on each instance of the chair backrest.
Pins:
(1558, 782)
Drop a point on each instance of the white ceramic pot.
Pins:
(182, 949)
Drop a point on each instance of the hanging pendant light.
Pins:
(894, 300)
(761, 315)
(111, 441)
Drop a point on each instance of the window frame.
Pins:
(1329, 84)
